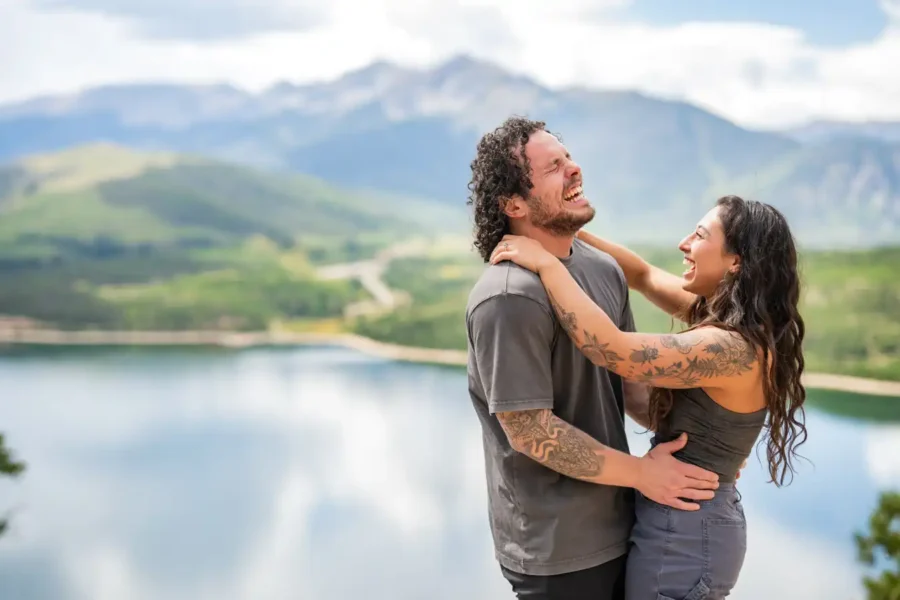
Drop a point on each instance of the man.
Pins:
(559, 473)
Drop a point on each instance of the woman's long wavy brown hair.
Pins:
(759, 302)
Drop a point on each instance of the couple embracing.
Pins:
(555, 364)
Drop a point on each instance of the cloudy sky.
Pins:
(758, 62)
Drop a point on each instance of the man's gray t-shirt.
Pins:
(543, 522)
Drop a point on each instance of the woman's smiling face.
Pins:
(706, 256)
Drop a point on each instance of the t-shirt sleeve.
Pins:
(512, 339)
(627, 321)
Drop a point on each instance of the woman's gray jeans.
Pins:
(687, 555)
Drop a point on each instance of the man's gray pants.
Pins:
(687, 555)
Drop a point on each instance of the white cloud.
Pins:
(102, 572)
(824, 570)
(199, 19)
(883, 455)
(891, 9)
(756, 74)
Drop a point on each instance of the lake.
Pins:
(325, 474)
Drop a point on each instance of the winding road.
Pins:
(369, 273)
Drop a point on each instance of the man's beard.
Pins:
(561, 222)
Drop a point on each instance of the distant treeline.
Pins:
(171, 291)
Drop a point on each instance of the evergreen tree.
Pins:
(881, 549)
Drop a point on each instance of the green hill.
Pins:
(107, 237)
(101, 200)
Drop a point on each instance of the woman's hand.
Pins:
(523, 251)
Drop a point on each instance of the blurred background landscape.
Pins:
(206, 214)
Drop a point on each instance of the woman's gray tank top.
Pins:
(718, 439)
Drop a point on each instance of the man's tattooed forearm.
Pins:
(552, 442)
(728, 357)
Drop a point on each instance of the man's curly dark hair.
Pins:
(500, 170)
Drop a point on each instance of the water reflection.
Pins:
(321, 473)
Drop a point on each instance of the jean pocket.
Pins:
(724, 548)
(699, 592)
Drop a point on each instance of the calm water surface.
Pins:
(321, 473)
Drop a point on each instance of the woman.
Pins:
(738, 362)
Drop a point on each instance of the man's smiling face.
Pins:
(556, 203)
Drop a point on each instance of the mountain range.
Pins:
(651, 166)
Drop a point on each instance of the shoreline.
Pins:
(239, 340)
